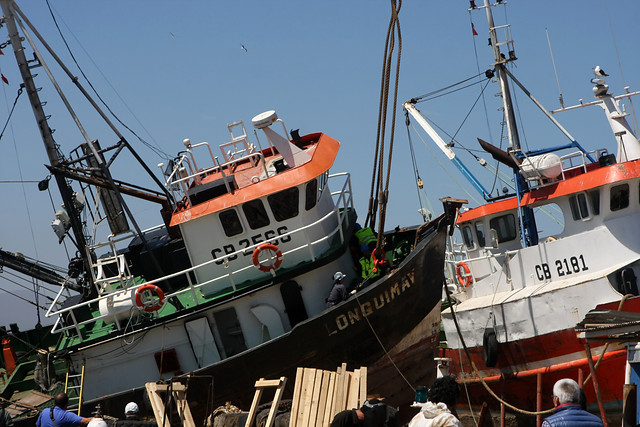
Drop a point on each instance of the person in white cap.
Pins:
(131, 411)
(338, 291)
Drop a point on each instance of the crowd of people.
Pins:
(438, 411)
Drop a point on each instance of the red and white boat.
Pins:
(519, 293)
(232, 286)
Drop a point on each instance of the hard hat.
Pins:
(338, 276)
(98, 422)
(131, 408)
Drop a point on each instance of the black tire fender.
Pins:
(490, 347)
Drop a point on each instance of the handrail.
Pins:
(343, 202)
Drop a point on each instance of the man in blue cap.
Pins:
(338, 290)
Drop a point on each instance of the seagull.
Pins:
(173, 36)
(599, 72)
(243, 48)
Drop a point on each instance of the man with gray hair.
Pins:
(568, 411)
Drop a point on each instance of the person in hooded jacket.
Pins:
(568, 410)
(439, 409)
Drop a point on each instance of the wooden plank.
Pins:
(354, 388)
(297, 390)
(363, 385)
(322, 401)
(254, 404)
(182, 406)
(315, 397)
(276, 401)
(340, 388)
(304, 410)
(331, 389)
(156, 404)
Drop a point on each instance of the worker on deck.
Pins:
(338, 290)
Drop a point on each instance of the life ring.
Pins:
(152, 288)
(464, 274)
(267, 247)
(490, 347)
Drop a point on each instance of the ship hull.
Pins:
(395, 317)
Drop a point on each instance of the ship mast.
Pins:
(47, 137)
(501, 60)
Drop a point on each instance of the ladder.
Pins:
(75, 382)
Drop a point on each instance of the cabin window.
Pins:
(480, 233)
(230, 222)
(256, 214)
(619, 197)
(284, 204)
(579, 206)
(594, 199)
(311, 196)
(467, 236)
(505, 227)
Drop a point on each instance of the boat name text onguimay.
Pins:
(267, 236)
(368, 306)
(563, 267)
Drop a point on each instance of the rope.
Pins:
(475, 369)
(15, 101)
(606, 346)
(381, 197)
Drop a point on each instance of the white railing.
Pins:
(343, 202)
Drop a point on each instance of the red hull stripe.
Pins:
(584, 182)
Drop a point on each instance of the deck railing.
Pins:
(124, 287)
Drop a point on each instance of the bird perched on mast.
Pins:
(599, 72)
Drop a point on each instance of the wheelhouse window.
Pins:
(594, 199)
(311, 194)
(579, 206)
(619, 197)
(256, 214)
(505, 227)
(480, 233)
(284, 204)
(230, 222)
(467, 236)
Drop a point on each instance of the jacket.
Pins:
(572, 415)
(434, 415)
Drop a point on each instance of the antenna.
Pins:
(560, 98)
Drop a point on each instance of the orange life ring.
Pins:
(464, 274)
(153, 288)
(267, 247)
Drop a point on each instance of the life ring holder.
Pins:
(152, 288)
(267, 247)
(464, 274)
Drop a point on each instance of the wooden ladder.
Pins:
(71, 384)
(261, 384)
(179, 394)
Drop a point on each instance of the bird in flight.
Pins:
(599, 72)
(243, 48)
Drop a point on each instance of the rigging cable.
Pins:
(159, 152)
(615, 44)
(484, 101)
(416, 173)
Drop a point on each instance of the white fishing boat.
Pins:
(232, 286)
(519, 293)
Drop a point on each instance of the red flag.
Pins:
(4, 79)
(473, 28)
(1, 52)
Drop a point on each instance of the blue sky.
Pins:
(178, 71)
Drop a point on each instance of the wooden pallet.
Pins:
(261, 384)
(319, 395)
